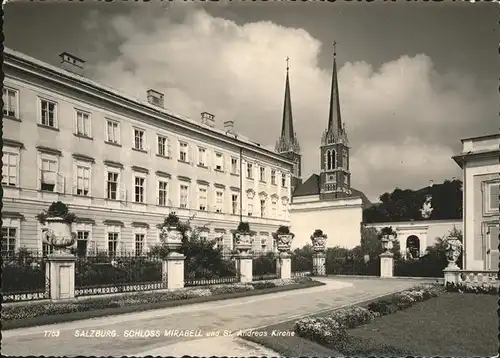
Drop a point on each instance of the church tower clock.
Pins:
(335, 177)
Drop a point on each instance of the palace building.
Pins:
(325, 200)
(123, 164)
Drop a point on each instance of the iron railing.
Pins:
(103, 274)
(24, 276)
(211, 281)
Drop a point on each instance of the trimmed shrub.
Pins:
(322, 330)
(332, 328)
(221, 289)
(383, 307)
(262, 284)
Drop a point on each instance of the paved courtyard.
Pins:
(155, 330)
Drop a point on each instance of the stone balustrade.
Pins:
(471, 276)
(478, 276)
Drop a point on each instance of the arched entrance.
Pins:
(412, 247)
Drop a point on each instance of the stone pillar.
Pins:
(244, 266)
(173, 270)
(386, 264)
(61, 275)
(451, 275)
(285, 265)
(319, 259)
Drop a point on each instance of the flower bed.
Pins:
(22, 312)
(473, 287)
(331, 329)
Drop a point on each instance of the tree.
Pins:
(404, 205)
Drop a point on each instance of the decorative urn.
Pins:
(284, 239)
(453, 249)
(387, 237)
(318, 239)
(170, 234)
(58, 235)
(387, 244)
(243, 239)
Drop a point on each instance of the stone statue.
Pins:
(427, 209)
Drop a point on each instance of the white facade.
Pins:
(425, 231)
(122, 165)
(481, 180)
(340, 219)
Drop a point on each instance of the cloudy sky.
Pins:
(415, 78)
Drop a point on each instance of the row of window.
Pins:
(52, 181)
(48, 117)
(84, 244)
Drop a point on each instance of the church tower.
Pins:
(335, 177)
(288, 145)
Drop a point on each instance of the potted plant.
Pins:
(58, 233)
(387, 235)
(284, 238)
(170, 232)
(318, 239)
(243, 237)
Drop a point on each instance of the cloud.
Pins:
(404, 119)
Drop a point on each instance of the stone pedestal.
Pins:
(319, 259)
(61, 275)
(451, 274)
(244, 265)
(387, 264)
(173, 270)
(285, 266)
(278, 267)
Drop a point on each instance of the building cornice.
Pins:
(487, 154)
(54, 74)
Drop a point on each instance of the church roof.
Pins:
(312, 187)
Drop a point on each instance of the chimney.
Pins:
(155, 98)
(72, 63)
(208, 119)
(431, 183)
(229, 126)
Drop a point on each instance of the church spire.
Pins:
(287, 124)
(334, 118)
(335, 131)
(288, 140)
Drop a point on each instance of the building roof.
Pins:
(483, 137)
(312, 187)
(57, 73)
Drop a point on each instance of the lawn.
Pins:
(452, 324)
